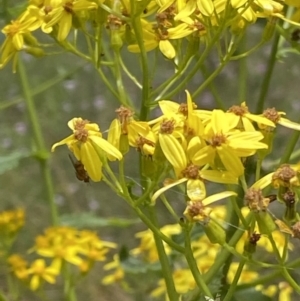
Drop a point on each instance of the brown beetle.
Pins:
(81, 173)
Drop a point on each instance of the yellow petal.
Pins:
(65, 25)
(91, 161)
(167, 49)
(106, 147)
(289, 124)
(196, 189)
(34, 282)
(206, 7)
(173, 151)
(218, 196)
(204, 156)
(162, 190)
(223, 177)
(263, 182)
(69, 140)
(231, 162)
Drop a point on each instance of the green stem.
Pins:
(268, 75)
(164, 261)
(123, 98)
(233, 285)
(137, 28)
(225, 253)
(41, 88)
(148, 222)
(213, 90)
(290, 280)
(243, 72)
(41, 154)
(267, 278)
(198, 277)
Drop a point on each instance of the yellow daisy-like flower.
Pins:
(118, 273)
(147, 247)
(16, 34)
(40, 272)
(187, 169)
(160, 37)
(61, 12)
(242, 119)
(277, 117)
(197, 210)
(227, 145)
(137, 133)
(285, 176)
(88, 146)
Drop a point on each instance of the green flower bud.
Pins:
(265, 222)
(35, 51)
(269, 29)
(215, 232)
(124, 145)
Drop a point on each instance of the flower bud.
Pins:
(266, 224)
(269, 29)
(215, 233)
(35, 51)
(250, 245)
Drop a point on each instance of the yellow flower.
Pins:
(246, 275)
(276, 117)
(147, 247)
(285, 292)
(285, 176)
(18, 266)
(87, 144)
(160, 36)
(61, 12)
(242, 119)
(227, 145)
(16, 35)
(118, 273)
(205, 8)
(183, 281)
(40, 272)
(11, 221)
(187, 169)
(197, 210)
(138, 133)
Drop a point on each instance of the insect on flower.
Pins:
(81, 173)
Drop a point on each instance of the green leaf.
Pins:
(90, 220)
(12, 160)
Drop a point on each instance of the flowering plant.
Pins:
(215, 158)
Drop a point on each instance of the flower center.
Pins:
(191, 172)
(68, 7)
(124, 115)
(271, 114)
(284, 174)
(255, 200)
(80, 133)
(218, 140)
(167, 127)
(238, 110)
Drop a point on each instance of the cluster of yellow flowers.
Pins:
(199, 145)
(11, 221)
(205, 254)
(62, 245)
(173, 20)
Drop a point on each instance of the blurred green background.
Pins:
(79, 92)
